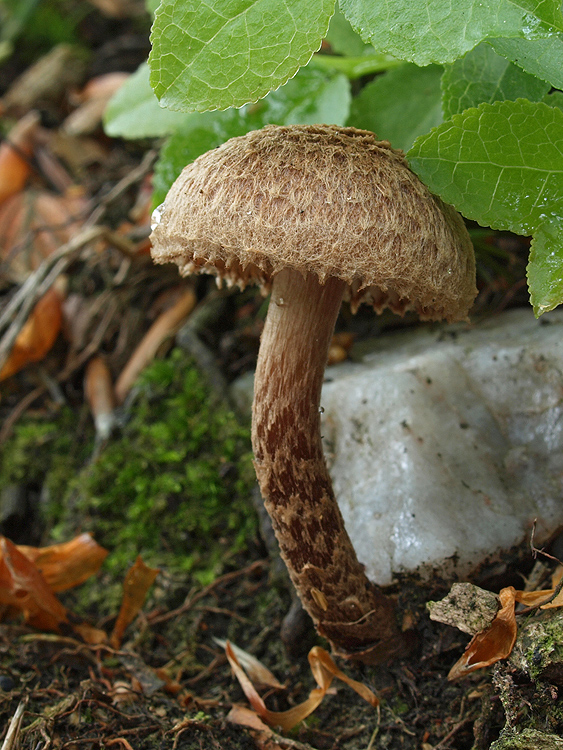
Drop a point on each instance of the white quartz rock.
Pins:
(445, 444)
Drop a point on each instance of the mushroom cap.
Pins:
(325, 200)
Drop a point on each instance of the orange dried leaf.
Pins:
(256, 671)
(494, 643)
(94, 97)
(69, 564)
(98, 387)
(57, 218)
(22, 586)
(14, 156)
(34, 224)
(89, 634)
(323, 669)
(38, 334)
(537, 598)
(264, 738)
(164, 326)
(247, 718)
(137, 582)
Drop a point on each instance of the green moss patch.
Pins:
(173, 485)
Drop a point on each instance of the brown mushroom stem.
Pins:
(297, 490)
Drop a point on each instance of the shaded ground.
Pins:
(169, 685)
(78, 695)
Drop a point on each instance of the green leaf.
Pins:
(439, 31)
(500, 164)
(554, 99)
(343, 39)
(484, 76)
(151, 6)
(312, 96)
(540, 57)
(226, 53)
(134, 111)
(356, 67)
(545, 268)
(400, 105)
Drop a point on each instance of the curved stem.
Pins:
(297, 490)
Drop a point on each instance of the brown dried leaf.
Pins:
(164, 326)
(120, 8)
(137, 582)
(34, 224)
(323, 669)
(494, 643)
(47, 80)
(536, 598)
(15, 152)
(263, 736)
(256, 671)
(69, 564)
(23, 588)
(98, 387)
(94, 98)
(38, 334)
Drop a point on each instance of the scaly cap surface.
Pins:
(325, 200)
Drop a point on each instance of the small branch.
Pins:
(11, 741)
(557, 590)
(70, 368)
(17, 311)
(135, 175)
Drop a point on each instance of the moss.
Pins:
(173, 486)
(529, 739)
(44, 452)
(539, 649)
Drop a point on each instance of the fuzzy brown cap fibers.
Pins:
(324, 200)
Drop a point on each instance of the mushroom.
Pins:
(316, 214)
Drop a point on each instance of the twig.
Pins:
(35, 279)
(536, 551)
(557, 590)
(36, 285)
(192, 599)
(376, 730)
(12, 735)
(135, 175)
(70, 368)
(16, 312)
(452, 732)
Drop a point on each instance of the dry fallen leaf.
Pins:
(164, 326)
(47, 80)
(68, 564)
(15, 153)
(33, 225)
(263, 736)
(39, 332)
(324, 671)
(98, 387)
(137, 582)
(494, 643)
(23, 588)
(93, 99)
(256, 671)
(497, 641)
